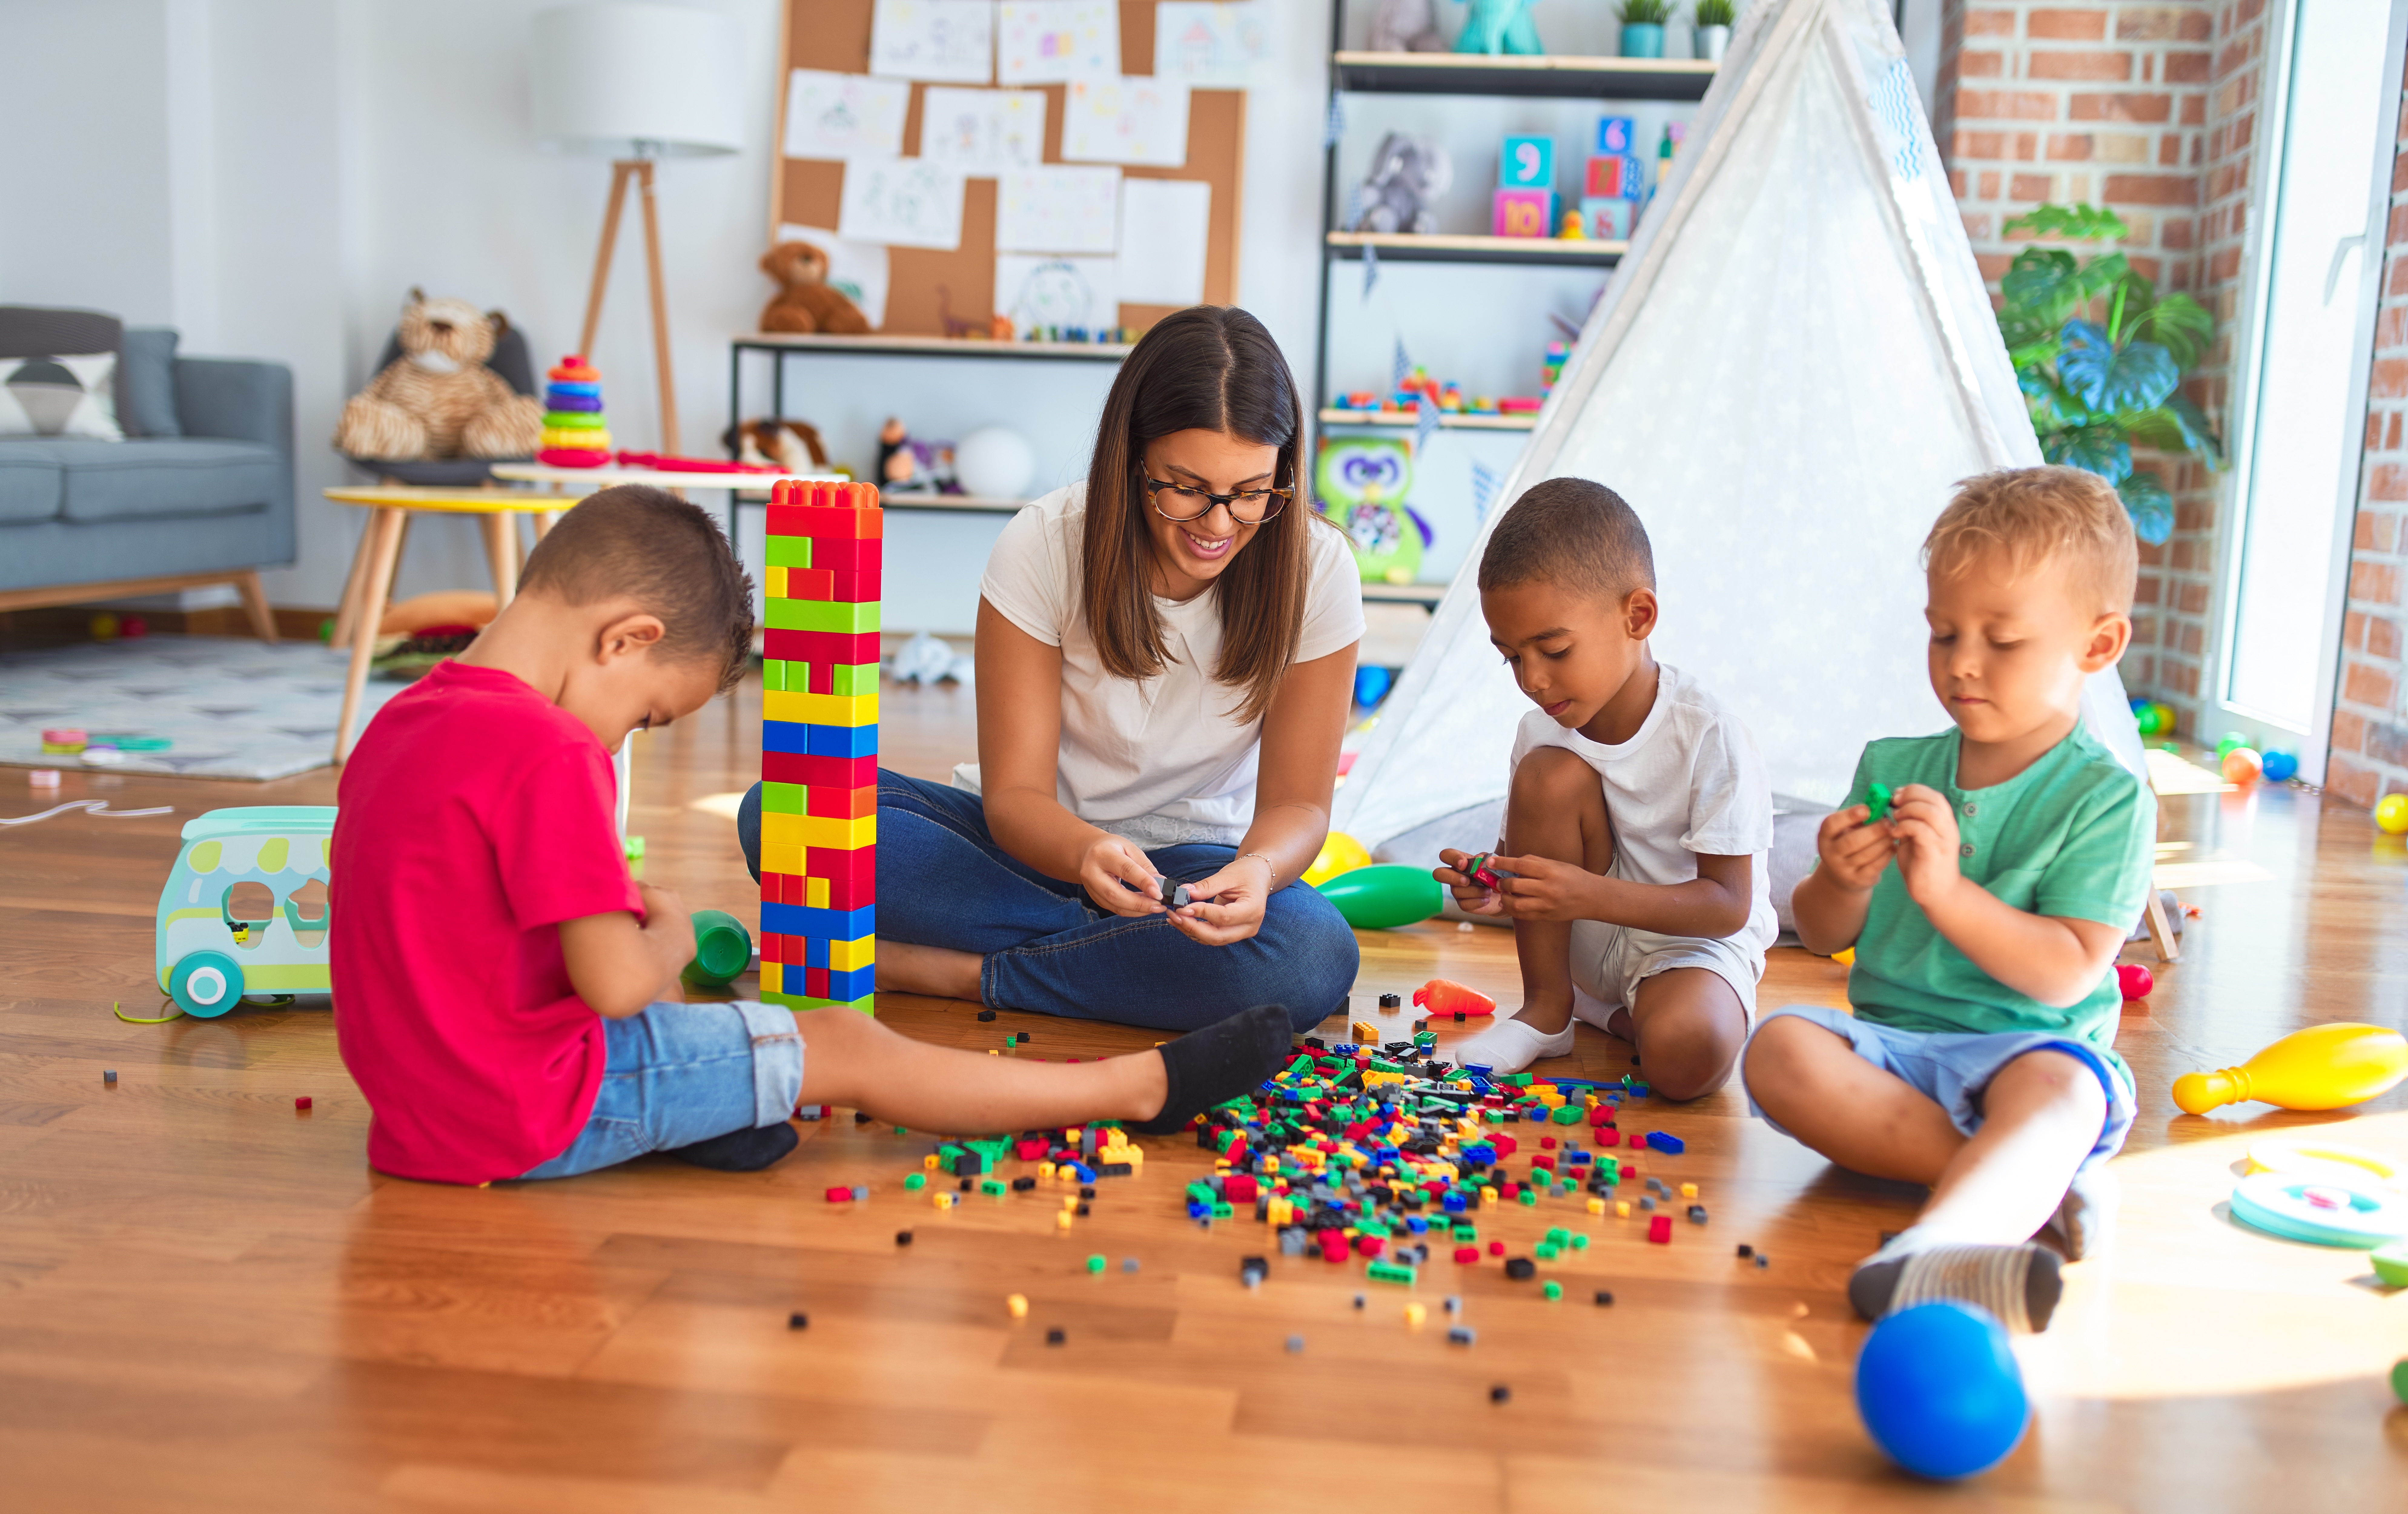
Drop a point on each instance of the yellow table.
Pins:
(369, 587)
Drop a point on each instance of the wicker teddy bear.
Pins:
(438, 399)
(806, 302)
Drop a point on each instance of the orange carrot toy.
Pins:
(1445, 997)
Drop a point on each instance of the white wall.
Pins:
(272, 175)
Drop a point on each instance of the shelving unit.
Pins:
(1406, 420)
(1541, 251)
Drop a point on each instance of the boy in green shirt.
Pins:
(1986, 897)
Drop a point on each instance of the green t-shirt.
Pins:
(2073, 835)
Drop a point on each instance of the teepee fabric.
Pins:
(1788, 372)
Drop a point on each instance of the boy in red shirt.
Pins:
(501, 983)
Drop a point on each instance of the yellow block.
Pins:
(819, 709)
(844, 956)
(776, 583)
(772, 977)
(782, 857)
(1597, 1206)
(815, 892)
(826, 831)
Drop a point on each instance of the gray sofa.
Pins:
(200, 492)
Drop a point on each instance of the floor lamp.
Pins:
(635, 83)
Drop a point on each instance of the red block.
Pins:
(819, 677)
(815, 983)
(821, 523)
(1607, 1135)
(1370, 1245)
(1544, 1160)
(1495, 1248)
(1333, 1246)
(1547, 1143)
(858, 868)
(810, 583)
(1602, 1115)
(851, 586)
(1506, 1146)
(775, 886)
(1239, 1188)
(840, 804)
(1465, 1256)
(825, 772)
(848, 556)
(1659, 1229)
(838, 648)
(839, 1195)
(1029, 1149)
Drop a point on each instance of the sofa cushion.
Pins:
(164, 478)
(146, 381)
(30, 482)
(45, 331)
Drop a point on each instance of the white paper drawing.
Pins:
(902, 202)
(856, 270)
(1056, 41)
(943, 41)
(1061, 293)
(1057, 211)
(1164, 226)
(982, 132)
(1210, 47)
(1137, 121)
(844, 115)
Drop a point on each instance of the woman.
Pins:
(1165, 660)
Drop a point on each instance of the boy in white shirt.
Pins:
(1640, 816)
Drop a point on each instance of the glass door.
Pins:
(2334, 88)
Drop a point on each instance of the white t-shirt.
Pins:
(1689, 782)
(1164, 760)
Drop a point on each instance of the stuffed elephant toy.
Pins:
(1405, 26)
(1407, 174)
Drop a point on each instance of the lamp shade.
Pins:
(634, 80)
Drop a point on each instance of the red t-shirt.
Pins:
(476, 816)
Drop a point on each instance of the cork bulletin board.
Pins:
(834, 35)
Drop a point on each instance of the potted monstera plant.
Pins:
(2099, 355)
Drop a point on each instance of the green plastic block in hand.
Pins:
(1877, 800)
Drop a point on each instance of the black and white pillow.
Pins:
(69, 396)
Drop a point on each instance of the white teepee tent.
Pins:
(1790, 369)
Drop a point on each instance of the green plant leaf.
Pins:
(2099, 448)
(2136, 375)
(2042, 286)
(2199, 432)
(1716, 12)
(2071, 222)
(2150, 507)
(1644, 12)
(2032, 354)
(2178, 324)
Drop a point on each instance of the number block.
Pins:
(1527, 163)
(1517, 212)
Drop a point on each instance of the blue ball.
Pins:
(2281, 767)
(1939, 1392)
(1372, 685)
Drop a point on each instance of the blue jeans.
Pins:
(682, 1073)
(942, 881)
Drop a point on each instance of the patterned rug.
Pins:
(231, 707)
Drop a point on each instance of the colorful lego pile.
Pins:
(819, 746)
(575, 435)
(1379, 1151)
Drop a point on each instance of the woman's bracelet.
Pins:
(1266, 863)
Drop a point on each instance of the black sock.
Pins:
(1213, 1065)
(741, 1151)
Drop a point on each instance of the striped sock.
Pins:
(2018, 1284)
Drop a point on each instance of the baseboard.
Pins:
(73, 622)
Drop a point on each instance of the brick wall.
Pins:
(2147, 110)
(2370, 728)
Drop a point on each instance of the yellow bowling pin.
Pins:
(2322, 1068)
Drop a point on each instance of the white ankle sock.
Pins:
(2085, 1223)
(1508, 1045)
(1595, 1011)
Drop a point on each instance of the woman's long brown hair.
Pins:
(1206, 368)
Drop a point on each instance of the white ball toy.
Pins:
(994, 463)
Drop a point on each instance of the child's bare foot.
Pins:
(938, 972)
(1510, 1043)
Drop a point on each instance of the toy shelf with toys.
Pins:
(1440, 247)
(1552, 74)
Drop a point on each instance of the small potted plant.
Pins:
(1643, 27)
(1710, 33)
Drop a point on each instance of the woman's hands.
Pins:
(1119, 877)
(1228, 905)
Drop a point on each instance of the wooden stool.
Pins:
(369, 587)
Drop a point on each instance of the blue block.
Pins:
(857, 984)
(785, 736)
(828, 924)
(815, 950)
(1616, 133)
(1453, 1203)
(1527, 163)
(842, 740)
(1671, 1145)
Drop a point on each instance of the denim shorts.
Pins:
(1953, 1069)
(682, 1073)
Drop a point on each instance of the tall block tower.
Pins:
(819, 746)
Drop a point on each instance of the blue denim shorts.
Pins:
(682, 1073)
(1953, 1069)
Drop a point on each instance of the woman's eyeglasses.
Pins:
(1247, 506)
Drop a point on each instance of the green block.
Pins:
(995, 1187)
(790, 551)
(1223, 1211)
(1094, 1263)
(915, 1182)
(1394, 1272)
(1558, 1234)
(854, 679)
(866, 1004)
(1530, 1197)
(1467, 1233)
(1493, 1117)
(1580, 1243)
(1613, 1171)
(1201, 1193)
(1546, 1252)
(1513, 1079)
(822, 615)
(994, 1149)
(1554, 1291)
(784, 799)
(1369, 1226)
(1569, 1115)
(773, 674)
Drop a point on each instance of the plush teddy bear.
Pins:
(438, 399)
(1407, 174)
(792, 445)
(806, 302)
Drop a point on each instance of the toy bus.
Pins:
(246, 908)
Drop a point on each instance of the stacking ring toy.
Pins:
(2324, 1160)
(2326, 1212)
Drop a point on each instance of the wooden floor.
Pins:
(207, 1302)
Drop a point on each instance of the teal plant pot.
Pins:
(1642, 40)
